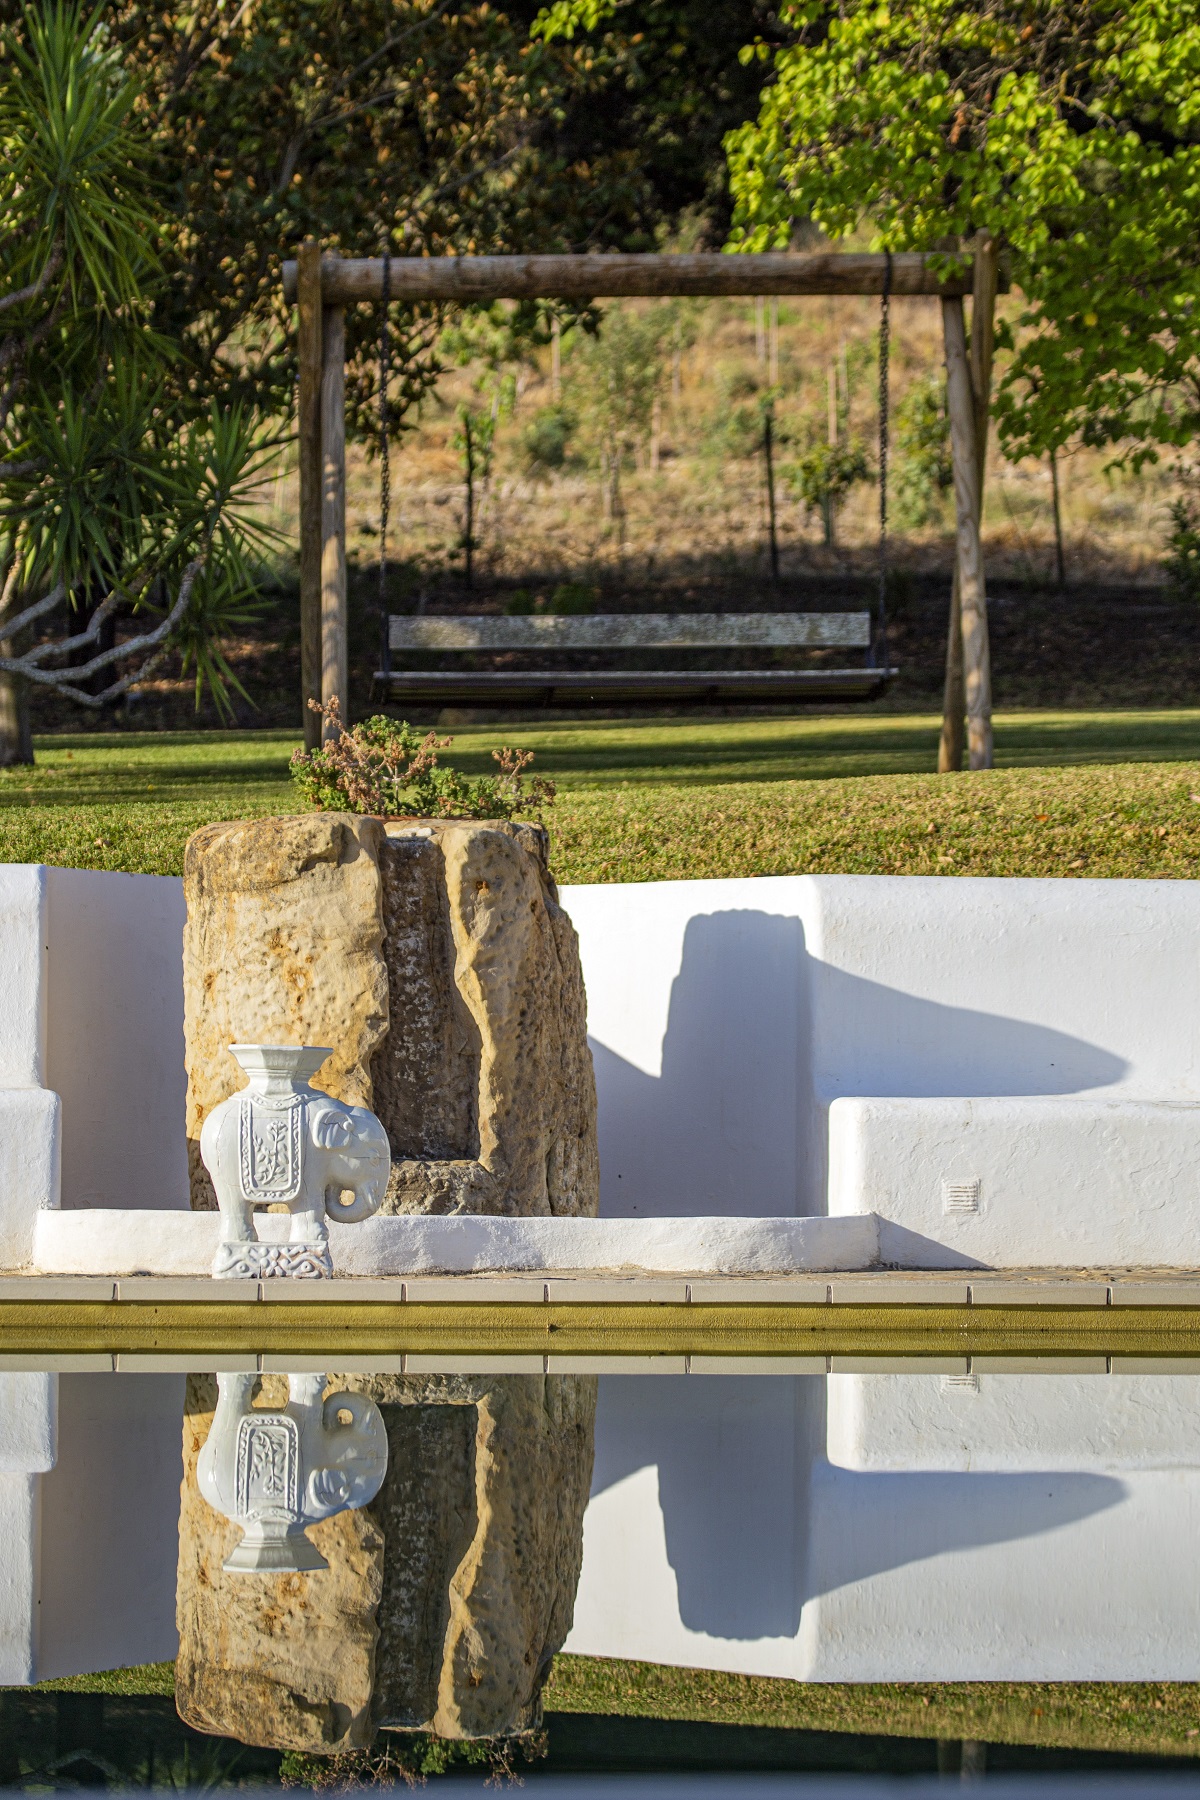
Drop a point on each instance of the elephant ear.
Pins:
(332, 1130)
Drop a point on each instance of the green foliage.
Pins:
(76, 199)
(546, 440)
(572, 598)
(436, 122)
(924, 474)
(614, 377)
(410, 1757)
(1067, 129)
(825, 473)
(736, 426)
(567, 599)
(111, 489)
(1182, 560)
(386, 767)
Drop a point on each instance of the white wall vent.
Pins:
(961, 1196)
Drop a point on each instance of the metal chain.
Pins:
(884, 356)
(385, 472)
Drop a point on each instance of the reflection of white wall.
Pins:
(89, 1509)
(994, 1421)
(1033, 1571)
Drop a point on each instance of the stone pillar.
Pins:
(434, 958)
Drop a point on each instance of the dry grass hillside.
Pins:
(694, 528)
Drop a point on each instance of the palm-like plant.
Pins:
(115, 500)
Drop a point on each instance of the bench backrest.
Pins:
(633, 631)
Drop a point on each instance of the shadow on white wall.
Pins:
(757, 1034)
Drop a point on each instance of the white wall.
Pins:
(115, 1037)
(727, 1017)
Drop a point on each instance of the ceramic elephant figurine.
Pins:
(281, 1142)
(276, 1472)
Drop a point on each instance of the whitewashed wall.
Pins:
(735, 1523)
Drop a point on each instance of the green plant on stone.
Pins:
(388, 768)
(924, 472)
(411, 1757)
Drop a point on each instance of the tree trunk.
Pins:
(309, 425)
(16, 737)
(1060, 561)
(768, 448)
(983, 313)
(977, 679)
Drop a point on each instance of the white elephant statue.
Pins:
(281, 1142)
(274, 1473)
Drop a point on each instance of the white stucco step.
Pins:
(109, 1241)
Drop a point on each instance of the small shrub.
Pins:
(568, 597)
(385, 767)
(736, 430)
(824, 475)
(572, 597)
(924, 473)
(1183, 549)
(546, 440)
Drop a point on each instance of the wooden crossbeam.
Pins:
(345, 280)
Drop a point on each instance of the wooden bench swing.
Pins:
(324, 285)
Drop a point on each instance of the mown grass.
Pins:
(1159, 1718)
(1114, 794)
(1148, 1718)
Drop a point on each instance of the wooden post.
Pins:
(309, 348)
(977, 680)
(334, 658)
(985, 276)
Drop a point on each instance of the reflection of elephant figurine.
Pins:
(279, 1141)
(273, 1473)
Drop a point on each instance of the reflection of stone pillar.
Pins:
(435, 957)
(285, 1660)
(445, 1599)
(482, 1521)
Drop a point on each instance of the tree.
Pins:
(615, 375)
(115, 505)
(1068, 130)
(924, 476)
(434, 125)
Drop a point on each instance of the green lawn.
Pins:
(1075, 794)
(1159, 1718)
(1152, 1718)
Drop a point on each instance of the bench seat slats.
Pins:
(635, 631)
(607, 687)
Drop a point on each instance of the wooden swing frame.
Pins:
(323, 285)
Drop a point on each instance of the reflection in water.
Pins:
(432, 1597)
(274, 1472)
